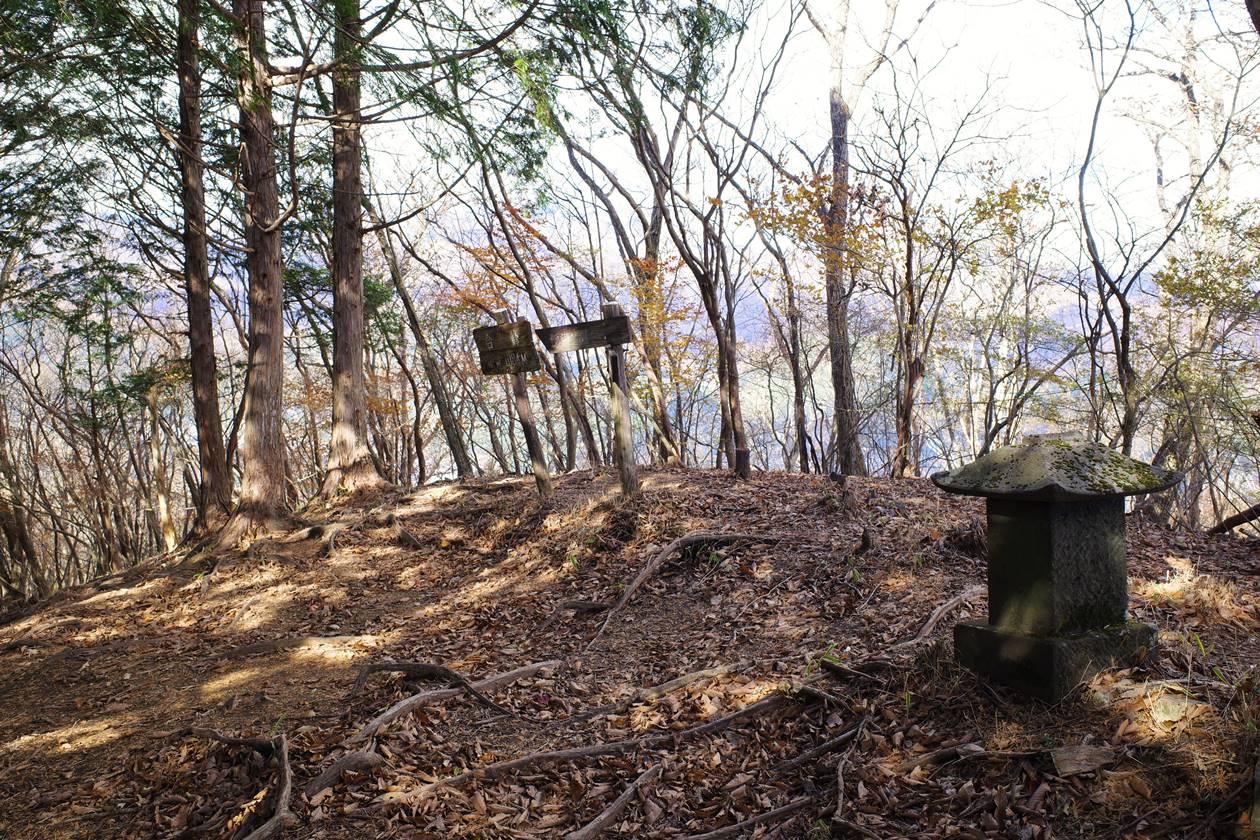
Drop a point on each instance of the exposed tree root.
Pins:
(939, 613)
(761, 819)
(397, 533)
(658, 560)
(596, 826)
(577, 607)
(278, 748)
(356, 761)
(425, 698)
(643, 695)
(427, 671)
(491, 771)
(821, 749)
(246, 525)
(868, 669)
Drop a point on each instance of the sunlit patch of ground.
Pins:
(99, 683)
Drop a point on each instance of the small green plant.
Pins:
(819, 830)
(1198, 641)
(814, 665)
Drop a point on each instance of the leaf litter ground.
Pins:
(771, 685)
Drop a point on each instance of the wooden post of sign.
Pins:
(623, 439)
(523, 413)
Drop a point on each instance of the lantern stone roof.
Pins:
(1055, 468)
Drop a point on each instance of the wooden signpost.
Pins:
(614, 329)
(508, 347)
(611, 331)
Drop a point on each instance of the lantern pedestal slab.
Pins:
(1050, 667)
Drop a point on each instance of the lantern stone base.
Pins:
(1050, 667)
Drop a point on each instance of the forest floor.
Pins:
(795, 698)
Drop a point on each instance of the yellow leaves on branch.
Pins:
(802, 211)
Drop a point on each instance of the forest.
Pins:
(246, 248)
(251, 252)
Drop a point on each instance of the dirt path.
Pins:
(97, 685)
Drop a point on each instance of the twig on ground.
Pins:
(596, 826)
(939, 613)
(356, 761)
(658, 560)
(427, 671)
(576, 607)
(740, 827)
(838, 816)
(643, 695)
(278, 747)
(424, 698)
(491, 771)
(821, 749)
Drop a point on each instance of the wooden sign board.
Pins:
(587, 334)
(507, 348)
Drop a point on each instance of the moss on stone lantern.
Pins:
(1058, 584)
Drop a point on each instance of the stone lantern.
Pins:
(1058, 586)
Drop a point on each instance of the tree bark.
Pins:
(538, 461)
(215, 498)
(262, 497)
(623, 434)
(161, 479)
(651, 299)
(836, 218)
(437, 385)
(350, 465)
(1251, 514)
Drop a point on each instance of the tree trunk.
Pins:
(836, 219)
(1251, 514)
(798, 382)
(13, 518)
(651, 319)
(161, 479)
(437, 385)
(215, 497)
(350, 465)
(262, 497)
